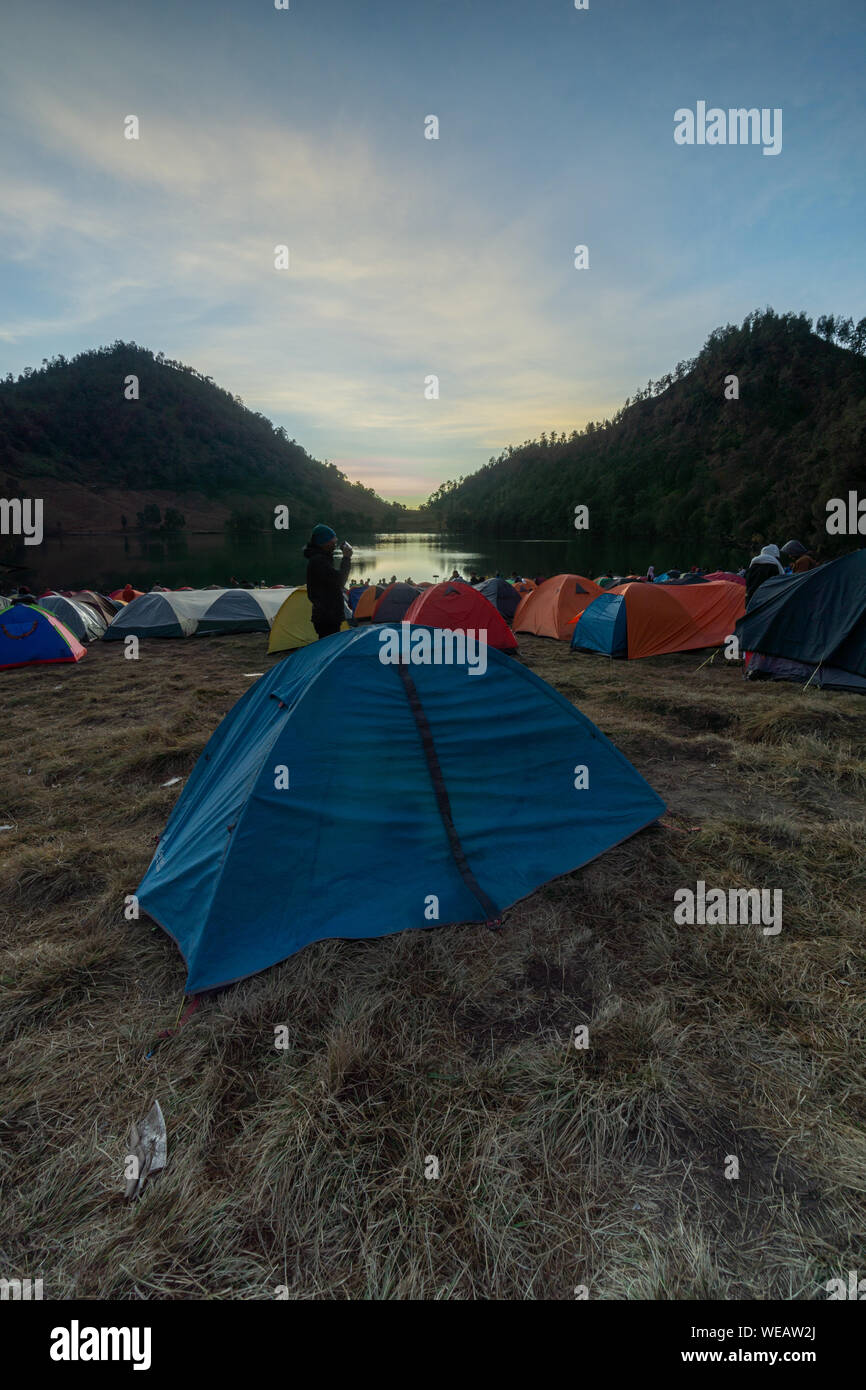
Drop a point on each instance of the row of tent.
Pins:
(287, 615)
(809, 627)
(453, 605)
(55, 629)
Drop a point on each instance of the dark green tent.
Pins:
(810, 626)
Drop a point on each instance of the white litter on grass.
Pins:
(254, 673)
(7, 827)
(171, 782)
(148, 1150)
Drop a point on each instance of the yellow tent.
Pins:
(293, 625)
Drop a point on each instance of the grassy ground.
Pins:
(559, 1167)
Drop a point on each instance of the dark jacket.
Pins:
(325, 585)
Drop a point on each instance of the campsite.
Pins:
(303, 1166)
(433, 674)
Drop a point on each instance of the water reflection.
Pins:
(106, 562)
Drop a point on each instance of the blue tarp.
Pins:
(359, 844)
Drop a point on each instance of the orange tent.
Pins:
(367, 602)
(550, 610)
(661, 619)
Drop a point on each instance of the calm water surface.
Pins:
(107, 562)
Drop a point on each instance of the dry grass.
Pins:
(559, 1167)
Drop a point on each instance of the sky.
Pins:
(410, 257)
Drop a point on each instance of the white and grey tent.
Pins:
(82, 620)
(197, 613)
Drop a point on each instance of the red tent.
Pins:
(458, 607)
(727, 575)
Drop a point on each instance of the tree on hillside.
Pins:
(149, 518)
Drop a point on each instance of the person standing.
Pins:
(798, 557)
(324, 583)
(765, 566)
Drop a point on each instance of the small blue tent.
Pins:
(446, 797)
(603, 626)
(31, 636)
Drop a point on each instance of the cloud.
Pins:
(402, 263)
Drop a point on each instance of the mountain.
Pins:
(69, 435)
(682, 461)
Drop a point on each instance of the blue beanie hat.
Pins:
(322, 534)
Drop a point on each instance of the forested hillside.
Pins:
(682, 459)
(69, 433)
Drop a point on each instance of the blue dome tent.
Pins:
(31, 636)
(446, 798)
(603, 626)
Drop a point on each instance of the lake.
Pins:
(107, 562)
